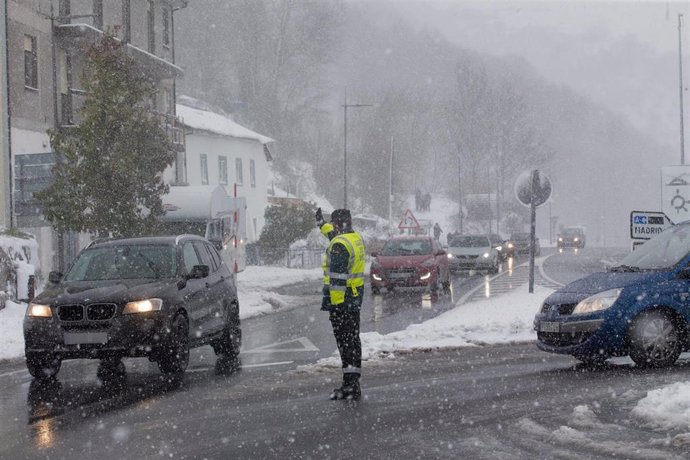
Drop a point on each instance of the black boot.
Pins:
(337, 394)
(350, 389)
(352, 392)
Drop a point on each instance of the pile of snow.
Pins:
(22, 255)
(502, 319)
(666, 407)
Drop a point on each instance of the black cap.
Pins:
(341, 216)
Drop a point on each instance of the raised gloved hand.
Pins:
(319, 218)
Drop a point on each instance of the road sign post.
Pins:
(532, 189)
(675, 192)
(409, 222)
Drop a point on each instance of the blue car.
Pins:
(639, 308)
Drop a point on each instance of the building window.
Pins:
(98, 14)
(30, 62)
(204, 169)
(238, 171)
(222, 170)
(252, 173)
(151, 22)
(166, 26)
(126, 21)
(167, 106)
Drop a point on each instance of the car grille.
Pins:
(93, 312)
(70, 312)
(563, 309)
(466, 257)
(400, 272)
(100, 311)
(556, 339)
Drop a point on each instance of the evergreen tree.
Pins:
(286, 224)
(108, 178)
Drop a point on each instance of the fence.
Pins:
(285, 257)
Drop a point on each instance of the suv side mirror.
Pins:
(55, 277)
(374, 254)
(198, 272)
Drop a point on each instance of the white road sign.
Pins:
(646, 224)
(675, 192)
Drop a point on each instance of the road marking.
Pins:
(306, 345)
(244, 366)
(21, 371)
(543, 273)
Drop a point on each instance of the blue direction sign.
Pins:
(647, 224)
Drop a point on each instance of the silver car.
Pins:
(472, 252)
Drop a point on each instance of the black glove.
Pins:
(319, 218)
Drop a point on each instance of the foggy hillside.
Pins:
(459, 122)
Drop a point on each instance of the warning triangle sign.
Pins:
(408, 221)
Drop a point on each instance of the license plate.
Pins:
(77, 338)
(549, 326)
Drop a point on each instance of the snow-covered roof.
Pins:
(216, 123)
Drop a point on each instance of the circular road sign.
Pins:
(523, 188)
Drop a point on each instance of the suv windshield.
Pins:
(469, 241)
(571, 232)
(124, 262)
(406, 247)
(520, 236)
(663, 251)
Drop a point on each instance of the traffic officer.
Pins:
(343, 293)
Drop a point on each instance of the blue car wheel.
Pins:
(654, 340)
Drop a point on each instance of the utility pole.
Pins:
(345, 107)
(680, 81)
(390, 192)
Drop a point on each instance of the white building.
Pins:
(222, 152)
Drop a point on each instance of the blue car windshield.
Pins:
(663, 251)
(124, 262)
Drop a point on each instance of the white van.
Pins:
(211, 213)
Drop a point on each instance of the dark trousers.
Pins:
(345, 324)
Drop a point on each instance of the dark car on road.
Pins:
(571, 237)
(498, 243)
(640, 307)
(153, 297)
(410, 261)
(519, 243)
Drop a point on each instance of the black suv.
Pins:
(153, 297)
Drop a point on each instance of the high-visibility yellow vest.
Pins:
(355, 268)
(325, 230)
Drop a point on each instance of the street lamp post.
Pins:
(680, 79)
(345, 107)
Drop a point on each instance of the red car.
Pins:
(410, 261)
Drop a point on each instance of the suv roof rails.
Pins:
(99, 240)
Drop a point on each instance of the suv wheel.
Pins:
(654, 340)
(42, 366)
(174, 356)
(229, 343)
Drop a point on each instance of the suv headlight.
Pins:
(37, 310)
(597, 302)
(143, 306)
